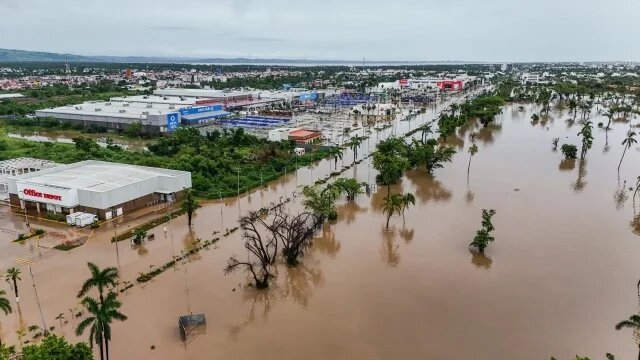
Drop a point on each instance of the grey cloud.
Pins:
(472, 30)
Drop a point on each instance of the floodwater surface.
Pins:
(561, 273)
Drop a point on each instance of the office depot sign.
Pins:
(35, 193)
(48, 194)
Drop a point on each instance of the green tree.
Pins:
(429, 154)
(609, 114)
(587, 137)
(13, 276)
(351, 187)
(354, 144)
(392, 204)
(390, 159)
(408, 199)
(100, 279)
(139, 235)
(473, 149)
(535, 118)
(336, 152)
(632, 323)
(629, 141)
(569, 151)
(5, 305)
(99, 319)
(573, 107)
(189, 204)
(57, 348)
(483, 237)
(321, 203)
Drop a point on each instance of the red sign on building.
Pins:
(34, 193)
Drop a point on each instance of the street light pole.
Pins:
(35, 290)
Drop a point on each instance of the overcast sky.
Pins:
(429, 30)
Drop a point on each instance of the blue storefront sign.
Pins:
(200, 109)
(312, 96)
(173, 121)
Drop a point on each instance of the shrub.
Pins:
(569, 151)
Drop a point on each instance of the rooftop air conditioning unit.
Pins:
(125, 104)
(149, 105)
(107, 103)
(97, 109)
(171, 107)
(145, 97)
(145, 113)
(122, 111)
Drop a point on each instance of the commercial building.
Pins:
(19, 166)
(96, 187)
(155, 115)
(530, 78)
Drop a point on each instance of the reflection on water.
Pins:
(620, 196)
(481, 261)
(635, 225)
(260, 304)
(299, 283)
(350, 211)
(487, 134)
(469, 196)
(428, 189)
(389, 250)
(580, 183)
(407, 234)
(567, 165)
(327, 243)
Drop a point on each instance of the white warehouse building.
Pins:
(96, 187)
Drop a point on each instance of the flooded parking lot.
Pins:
(561, 273)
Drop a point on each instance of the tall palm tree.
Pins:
(632, 323)
(407, 200)
(609, 115)
(101, 315)
(13, 276)
(392, 204)
(100, 279)
(627, 143)
(5, 305)
(189, 205)
(472, 151)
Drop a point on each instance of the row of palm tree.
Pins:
(397, 204)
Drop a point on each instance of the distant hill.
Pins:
(9, 55)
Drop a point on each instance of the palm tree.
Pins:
(407, 200)
(5, 305)
(472, 151)
(627, 143)
(609, 115)
(99, 320)
(100, 279)
(392, 204)
(13, 276)
(632, 323)
(189, 205)
(337, 152)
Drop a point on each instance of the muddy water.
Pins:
(560, 274)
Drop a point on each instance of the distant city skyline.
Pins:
(402, 30)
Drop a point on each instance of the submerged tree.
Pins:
(483, 237)
(56, 348)
(351, 187)
(390, 160)
(429, 154)
(294, 232)
(629, 141)
(189, 205)
(632, 323)
(13, 276)
(408, 199)
(392, 204)
(569, 151)
(587, 137)
(321, 202)
(262, 248)
(473, 149)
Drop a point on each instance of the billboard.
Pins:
(173, 121)
(200, 109)
(47, 194)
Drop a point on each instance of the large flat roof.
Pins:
(114, 109)
(96, 176)
(199, 93)
(156, 99)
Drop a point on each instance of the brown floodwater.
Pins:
(562, 270)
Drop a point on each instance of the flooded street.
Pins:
(561, 273)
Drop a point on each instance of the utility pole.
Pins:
(35, 290)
